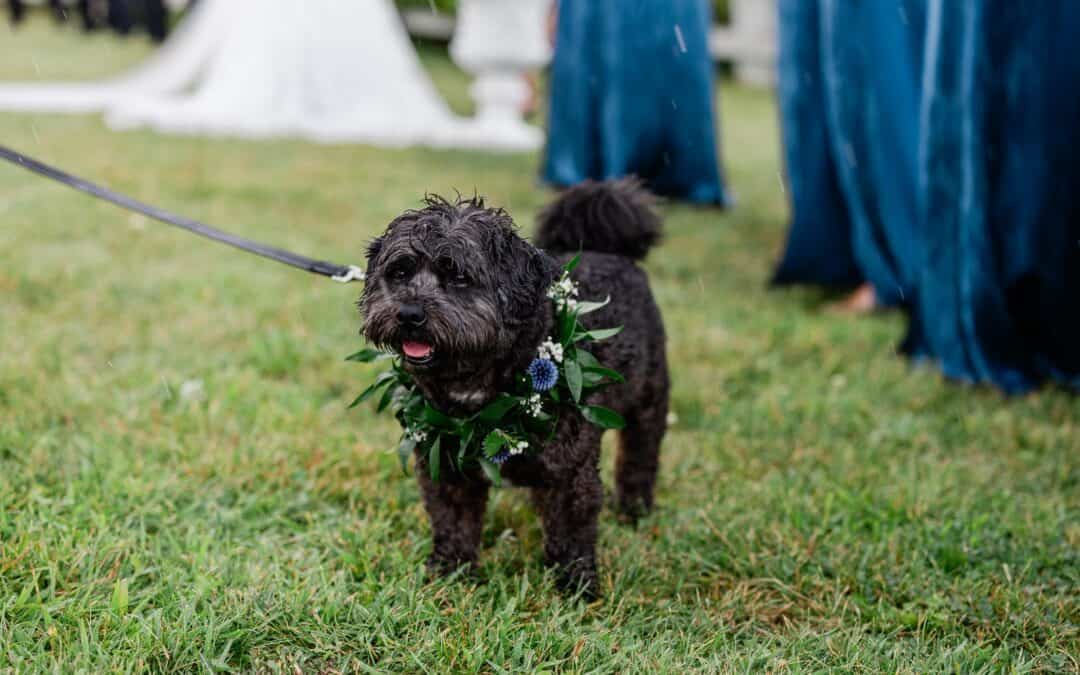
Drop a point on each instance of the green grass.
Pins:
(182, 488)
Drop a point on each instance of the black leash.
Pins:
(341, 273)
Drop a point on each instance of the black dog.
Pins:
(457, 279)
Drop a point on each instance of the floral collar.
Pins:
(519, 421)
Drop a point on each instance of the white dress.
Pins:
(326, 70)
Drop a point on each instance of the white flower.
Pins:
(563, 292)
(534, 405)
(550, 350)
(416, 435)
(518, 447)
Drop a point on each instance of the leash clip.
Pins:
(353, 273)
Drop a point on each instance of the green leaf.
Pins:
(434, 456)
(491, 470)
(493, 443)
(436, 418)
(387, 397)
(584, 308)
(572, 264)
(364, 395)
(598, 334)
(120, 596)
(603, 417)
(495, 410)
(573, 379)
(404, 451)
(413, 405)
(592, 379)
(600, 373)
(586, 359)
(465, 442)
(369, 355)
(595, 372)
(567, 328)
(380, 382)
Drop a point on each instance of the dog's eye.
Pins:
(401, 269)
(450, 272)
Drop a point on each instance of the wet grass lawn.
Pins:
(182, 487)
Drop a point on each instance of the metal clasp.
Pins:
(354, 273)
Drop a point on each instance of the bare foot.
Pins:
(863, 300)
(532, 104)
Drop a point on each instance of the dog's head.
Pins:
(453, 289)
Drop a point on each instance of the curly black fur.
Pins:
(482, 289)
(605, 217)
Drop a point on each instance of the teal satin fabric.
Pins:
(930, 147)
(632, 93)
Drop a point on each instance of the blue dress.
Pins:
(999, 286)
(632, 93)
(849, 86)
(931, 150)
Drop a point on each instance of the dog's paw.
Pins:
(586, 588)
(439, 567)
(578, 579)
(632, 508)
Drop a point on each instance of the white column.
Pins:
(498, 42)
(749, 41)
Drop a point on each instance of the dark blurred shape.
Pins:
(632, 94)
(84, 14)
(17, 10)
(930, 147)
(122, 16)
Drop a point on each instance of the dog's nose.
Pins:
(411, 315)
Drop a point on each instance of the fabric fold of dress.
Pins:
(632, 93)
(930, 148)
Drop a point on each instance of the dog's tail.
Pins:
(615, 216)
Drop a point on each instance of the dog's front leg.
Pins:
(456, 511)
(569, 513)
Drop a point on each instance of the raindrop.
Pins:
(679, 37)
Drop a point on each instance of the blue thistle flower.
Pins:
(543, 373)
(500, 457)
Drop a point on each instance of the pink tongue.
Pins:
(416, 350)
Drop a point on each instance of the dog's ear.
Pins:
(373, 249)
(524, 275)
